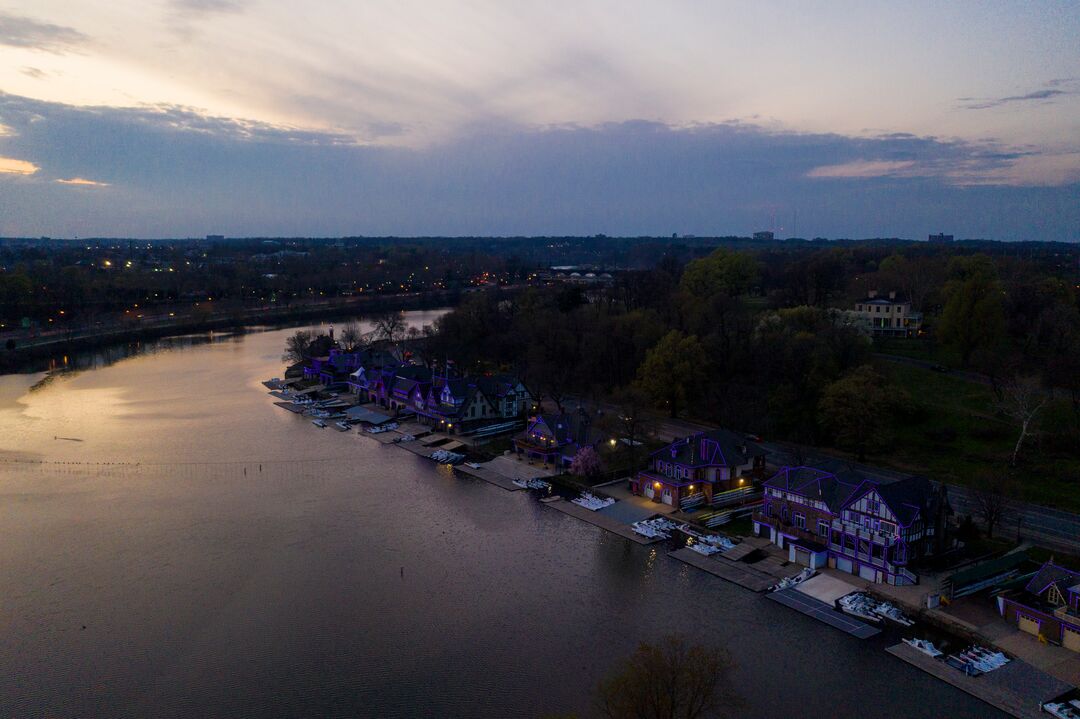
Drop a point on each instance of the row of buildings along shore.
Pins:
(824, 516)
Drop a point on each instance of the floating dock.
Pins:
(736, 572)
(489, 476)
(822, 612)
(1018, 689)
(601, 520)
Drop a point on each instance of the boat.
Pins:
(532, 483)
(476, 465)
(860, 605)
(704, 548)
(1061, 710)
(443, 456)
(893, 614)
(655, 528)
(986, 659)
(925, 646)
(592, 502)
(343, 426)
(529, 483)
(318, 423)
(964, 665)
(794, 581)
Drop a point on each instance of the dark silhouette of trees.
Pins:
(669, 679)
(297, 347)
(673, 369)
(974, 314)
(994, 493)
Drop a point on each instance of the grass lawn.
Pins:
(917, 348)
(958, 434)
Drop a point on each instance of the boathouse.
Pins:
(699, 468)
(1048, 607)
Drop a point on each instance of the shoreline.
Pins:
(1003, 697)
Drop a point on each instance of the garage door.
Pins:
(844, 565)
(802, 557)
(867, 573)
(1027, 625)
(1070, 639)
(667, 496)
(649, 491)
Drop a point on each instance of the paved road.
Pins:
(1053, 528)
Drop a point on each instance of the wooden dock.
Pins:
(600, 520)
(822, 612)
(1018, 689)
(736, 572)
(489, 476)
(292, 407)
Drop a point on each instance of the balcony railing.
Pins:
(862, 533)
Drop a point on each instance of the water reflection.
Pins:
(203, 553)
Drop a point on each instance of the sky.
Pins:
(180, 118)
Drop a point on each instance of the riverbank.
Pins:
(25, 350)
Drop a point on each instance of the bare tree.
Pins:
(352, 335)
(669, 680)
(297, 346)
(389, 326)
(993, 493)
(1022, 399)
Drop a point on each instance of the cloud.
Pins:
(177, 172)
(11, 166)
(207, 6)
(35, 73)
(82, 182)
(1048, 94)
(24, 32)
(185, 15)
(865, 168)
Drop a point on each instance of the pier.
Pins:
(822, 612)
(736, 572)
(601, 520)
(1018, 689)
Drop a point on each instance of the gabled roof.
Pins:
(907, 498)
(568, 428)
(715, 447)
(497, 385)
(817, 484)
(1051, 574)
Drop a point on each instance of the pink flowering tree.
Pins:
(587, 463)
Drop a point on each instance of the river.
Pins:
(174, 545)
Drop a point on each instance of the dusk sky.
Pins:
(260, 117)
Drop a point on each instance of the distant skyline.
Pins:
(497, 117)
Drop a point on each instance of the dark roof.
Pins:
(569, 428)
(496, 385)
(1000, 567)
(1049, 574)
(817, 484)
(908, 497)
(715, 447)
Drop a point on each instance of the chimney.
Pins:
(872, 294)
(892, 295)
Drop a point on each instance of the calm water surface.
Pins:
(202, 553)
